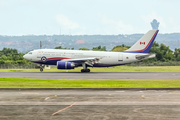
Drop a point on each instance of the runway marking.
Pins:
(46, 98)
(153, 98)
(50, 97)
(64, 108)
(142, 96)
(147, 97)
(29, 93)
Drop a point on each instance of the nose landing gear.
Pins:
(41, 67)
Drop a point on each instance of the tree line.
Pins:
(163, 54)
(11, 56)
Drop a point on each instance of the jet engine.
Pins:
(65, 65)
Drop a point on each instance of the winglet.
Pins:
(144, 44)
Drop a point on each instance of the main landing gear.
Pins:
(85, 68)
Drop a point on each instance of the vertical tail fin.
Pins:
(144, 44)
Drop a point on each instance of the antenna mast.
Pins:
(40, 45)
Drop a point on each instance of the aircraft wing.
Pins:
(142, 57)
(88, 61)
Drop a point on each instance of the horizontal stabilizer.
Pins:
(143, 57)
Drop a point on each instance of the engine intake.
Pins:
(65, 65)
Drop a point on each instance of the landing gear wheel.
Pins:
(82, 70)
(41, 69)
(85, 70)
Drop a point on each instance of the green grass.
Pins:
(110, 69)
(87, 83)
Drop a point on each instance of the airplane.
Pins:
(70, 59)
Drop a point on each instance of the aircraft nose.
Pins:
(25, 56)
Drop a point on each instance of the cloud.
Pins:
(149, 18)
(171, 20)
(111, 26)
(65, 22)
(4, 4)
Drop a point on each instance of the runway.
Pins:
(96, 75)
(89, 105)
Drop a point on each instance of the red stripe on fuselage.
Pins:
(57, 58)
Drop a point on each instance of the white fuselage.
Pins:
(106, 59)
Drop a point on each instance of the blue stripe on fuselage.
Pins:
(54, 62)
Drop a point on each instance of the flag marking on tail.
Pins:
(142, 43)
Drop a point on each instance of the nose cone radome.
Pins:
(25, 56)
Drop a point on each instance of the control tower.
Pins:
(155, 24)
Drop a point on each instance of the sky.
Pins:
(87, 17)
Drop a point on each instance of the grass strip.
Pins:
(110, 69)
(88, 83)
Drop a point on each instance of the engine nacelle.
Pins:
(65, 65)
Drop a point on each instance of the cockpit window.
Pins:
(30, 52)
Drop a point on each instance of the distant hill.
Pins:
(27, 43)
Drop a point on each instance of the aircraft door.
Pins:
(39, 54)
(120, 57)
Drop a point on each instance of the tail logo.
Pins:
(142, 43)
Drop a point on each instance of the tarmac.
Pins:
(95, 75)
(89, 105)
